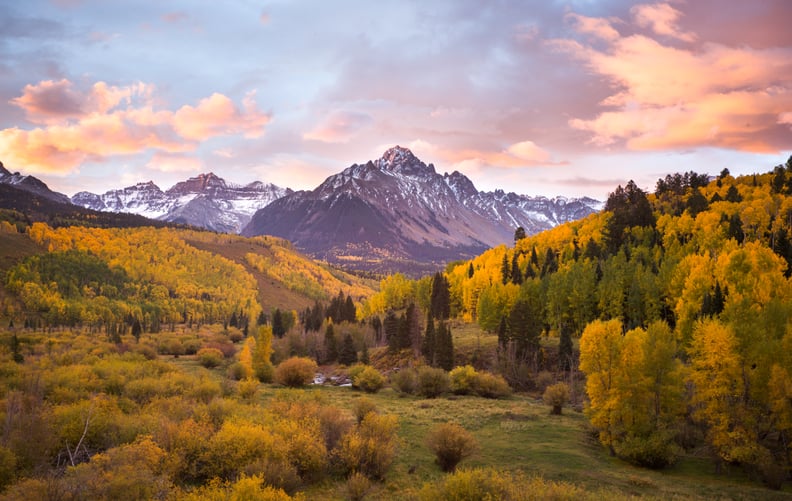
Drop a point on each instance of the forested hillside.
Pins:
(119, 279)
(679, 301)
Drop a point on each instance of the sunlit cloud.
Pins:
(104, 121)
(598, 27)
(665, 97)
(340, 127)
(662, 19)
(521, 154)
(217, 115)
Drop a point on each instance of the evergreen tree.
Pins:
(505, 269)
(262, 318)
(629, 207)
(429, 342)
(137, 329)
(735, 230)
(470, 270)
(779, 179)
(391, 328)
(350, 312)
(534, 257)
(733, 195)
(519, 234)
(524, 327)
(516, 274)
(330, 345)
(364, 354)
(440, 301)
(444, 351)
(550, 264)
(347, 355)
(696, 203)
(278, 327)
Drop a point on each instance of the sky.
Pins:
(551, 97)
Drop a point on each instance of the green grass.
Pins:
(519, 435)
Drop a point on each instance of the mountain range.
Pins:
(207, 201)
(395, 213)
(398, 213)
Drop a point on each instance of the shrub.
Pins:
(295, 372)
(477, 484)
(432, 382)
(556, 396)
(357, 486)
(656, 451)
(210, 357)
(451, 444)
(362, 407)
(236, 371)
(247, 389)
(491, 386)
(354, 371)
(334, 424)
(371, 447)
(405, 381)
(369, 380)
(191, 346)
(462, 379)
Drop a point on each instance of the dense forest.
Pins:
(666, 318)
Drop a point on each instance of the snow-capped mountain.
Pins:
(206, 200)
(30, 184)
(397, 211)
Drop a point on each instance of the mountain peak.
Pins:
(3, 170)
(402, 161)
(199, 184)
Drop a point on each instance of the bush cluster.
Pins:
(295, 372)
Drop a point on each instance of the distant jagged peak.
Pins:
(402, 161)
(3, 170)
(460, 183)
(199, 184)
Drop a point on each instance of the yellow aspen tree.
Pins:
(720, 399)
(246, 358)
(262, 353)
(600, 356)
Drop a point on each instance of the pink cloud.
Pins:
(217, 115)
(662, 19)
(665, 97)
(52, 102)
(339, 127)
(104, 121)
(600, 28)
(521, 154)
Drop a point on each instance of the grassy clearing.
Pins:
(519, 435)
